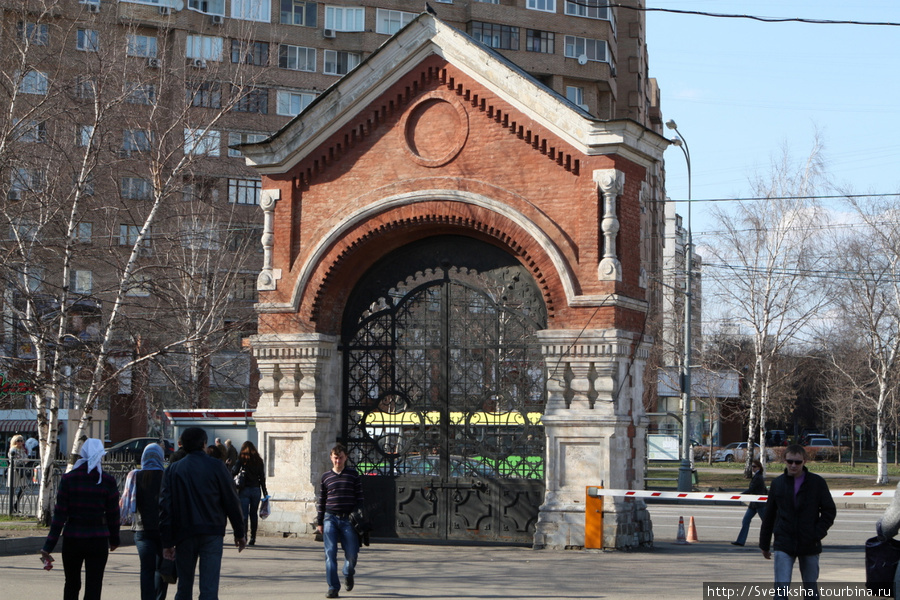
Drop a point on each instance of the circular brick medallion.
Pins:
(436, 128)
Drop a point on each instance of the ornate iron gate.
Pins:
(444, 389)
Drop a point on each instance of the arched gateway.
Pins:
(444, 389)
(453, 286)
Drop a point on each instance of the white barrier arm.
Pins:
(719, 496)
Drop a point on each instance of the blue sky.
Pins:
(740, 90)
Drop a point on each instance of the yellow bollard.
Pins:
(593, 519)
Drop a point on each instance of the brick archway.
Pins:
(358, 245)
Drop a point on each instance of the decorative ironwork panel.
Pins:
(444, 391)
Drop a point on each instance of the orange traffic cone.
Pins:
(681, 539)
(692, 532)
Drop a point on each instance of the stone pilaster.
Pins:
(298, 420)
(595, 428)
(610, 184)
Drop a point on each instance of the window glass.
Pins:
(251, 53)
(339, 63)
(298, 12)
(503, 37)
(34, 82)
(539, 41)
(297, 58)
(390, 21)
(202, 142)
(88, 40)
(252, 10)
(344, 18)
(244, 191)
(204, 47)
(135, 188)
(141, 45)
(210, 7)
(252, 100)
(543, 5)
(594, 50)
(33, 33)
(206, 94)
(239, 137)
(291, 103)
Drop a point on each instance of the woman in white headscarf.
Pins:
(143, 487)
(87, 505)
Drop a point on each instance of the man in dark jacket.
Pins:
(799, 511)
(196, 497)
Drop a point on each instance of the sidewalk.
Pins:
(293, 568)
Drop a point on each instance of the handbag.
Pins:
(362, 525)
(128, 499)
(240, 479)
(881, 564)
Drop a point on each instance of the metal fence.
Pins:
(20, 487)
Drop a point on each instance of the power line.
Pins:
(762, 198)
(700, 13)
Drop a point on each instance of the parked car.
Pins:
(820, 442)
(776, 437)
(737, 451)
(131, 450)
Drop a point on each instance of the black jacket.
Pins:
(254, 474)
(757, 488)
(798, 530)
(196, 498)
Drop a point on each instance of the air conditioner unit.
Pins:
(94, 8)
(165, 10)
(198, 63)
(329, 33)
(217, 19)
(13, 195)
(153, 63)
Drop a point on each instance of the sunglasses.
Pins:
(793, 462)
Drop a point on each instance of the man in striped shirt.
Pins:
(340, 493)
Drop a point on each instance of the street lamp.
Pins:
(685, 481)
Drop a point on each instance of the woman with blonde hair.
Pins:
(17, 474)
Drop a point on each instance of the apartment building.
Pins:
(124, 192)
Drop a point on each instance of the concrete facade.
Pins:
(433, 134)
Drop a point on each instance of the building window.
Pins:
(135, 140)
(297, 58)
(390, 21)
(594, 50)
(202, 142)
(204, 47)
(592, 9)
(84, 233)
(141, 45)
(209, 7)
(252, 10)
(81, 282)
(85, 88)
(37, 34)
(244, 237)
(140, 93)
(23, 230)
(542, 5)
(30, 131)
(290, 103)
(575, 95)
(138, 285)
(88, 40)
(207, 94)
(244, 289)
(344, 18)
(339, 62)
(299, 12)
(25, 180)
(34, 82)
(135, 188)
(503, 37)
(250, 53)
(252, 100)
(244, 191)
(539, 41)
(238, 137)
(128, 236)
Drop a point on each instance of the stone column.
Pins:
(596, 431)
(610, 184)
(298, 419)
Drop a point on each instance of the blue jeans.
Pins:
(748, 517)
(250, 497)
(809, 573)
(336, 529)
(149, 549)
(208, 549)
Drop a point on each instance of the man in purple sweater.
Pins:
(340, 493)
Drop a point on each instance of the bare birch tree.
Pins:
(761, 265)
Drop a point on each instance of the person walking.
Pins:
(17, 475)
(231, 454)
(340, 493)
(799, 512)
(87, 516)
(888, 526)
(196, 499)
(757, 488)
(254, 485)
(143, 485)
